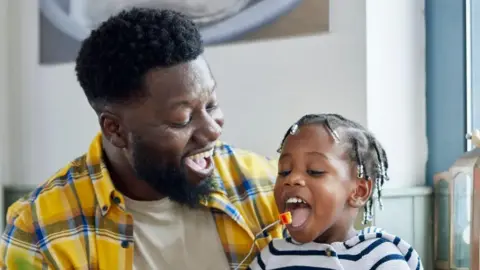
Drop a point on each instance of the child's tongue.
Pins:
(299, 216)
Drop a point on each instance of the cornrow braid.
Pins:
(362, 147)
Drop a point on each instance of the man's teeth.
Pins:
(295, 200)
(205, 154)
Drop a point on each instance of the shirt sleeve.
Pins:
(392, 262)
(18, 245)
(394, 259)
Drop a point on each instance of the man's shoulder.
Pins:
(249, 160)
(57, 194)
(238, 165)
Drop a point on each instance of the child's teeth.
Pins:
(295, 200)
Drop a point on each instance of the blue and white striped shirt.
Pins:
(370, 249)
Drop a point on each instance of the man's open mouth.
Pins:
(200, 163)
(300, 210)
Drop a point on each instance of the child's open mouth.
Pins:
(300, 210)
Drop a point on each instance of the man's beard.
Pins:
(168, 179)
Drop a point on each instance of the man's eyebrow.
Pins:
(180, 103)
(187, 103)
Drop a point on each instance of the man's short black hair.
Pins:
(114, 59)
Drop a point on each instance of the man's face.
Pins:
(170, 135)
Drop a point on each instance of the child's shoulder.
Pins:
(377, 235)
(382, 244)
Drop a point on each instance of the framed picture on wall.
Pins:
(65, 23)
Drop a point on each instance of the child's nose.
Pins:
(295, 180)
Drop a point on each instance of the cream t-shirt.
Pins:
(169, 236)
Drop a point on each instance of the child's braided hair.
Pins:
(362, 147)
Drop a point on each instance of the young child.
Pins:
(329, 168)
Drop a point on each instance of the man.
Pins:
(156, 190)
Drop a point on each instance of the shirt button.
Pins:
(124, 244)
(328, 252)
(104, 208)
(116, 200)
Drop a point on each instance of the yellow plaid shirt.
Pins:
(77, 220)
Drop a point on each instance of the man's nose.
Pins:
(210, 129)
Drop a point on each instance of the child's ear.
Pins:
(361, 193)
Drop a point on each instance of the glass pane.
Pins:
(475, 248)
(443, 215)
(462, 205)
(472, 43)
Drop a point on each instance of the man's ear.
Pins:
(112, 129)
(361, 193)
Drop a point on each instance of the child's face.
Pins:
(315, 169)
